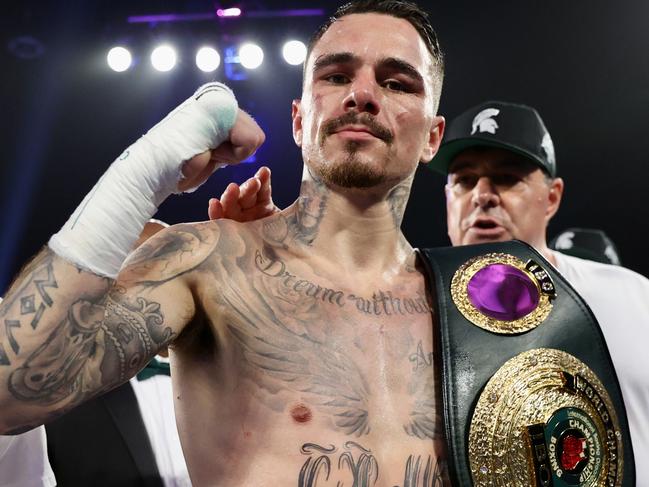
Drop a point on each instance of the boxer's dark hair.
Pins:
(402, 9)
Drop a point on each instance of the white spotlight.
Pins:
(207, 59)
(251, 56)
(163, 58)
(119, 59)
(294, 52)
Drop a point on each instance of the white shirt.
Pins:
(23, 460)
(155, 400)
(619, 299)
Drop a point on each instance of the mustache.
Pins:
(355, 118)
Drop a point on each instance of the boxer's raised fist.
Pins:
(245, 137)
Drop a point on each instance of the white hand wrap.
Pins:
(101, 231)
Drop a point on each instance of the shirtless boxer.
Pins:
(301, 344)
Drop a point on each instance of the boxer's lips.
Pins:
(356, 132)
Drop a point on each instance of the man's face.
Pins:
(366, 116)
(493, 195)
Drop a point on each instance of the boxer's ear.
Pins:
(296, 116)
(434, 139)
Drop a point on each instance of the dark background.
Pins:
(65, 115)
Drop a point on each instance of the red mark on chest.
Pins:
(301, 414)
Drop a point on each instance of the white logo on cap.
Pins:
(612, 256)
(564, 241)
(548, 147)
(483, 121)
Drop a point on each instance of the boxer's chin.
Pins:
(352, 172)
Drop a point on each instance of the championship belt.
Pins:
(529, 390)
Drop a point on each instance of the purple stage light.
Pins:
(224, 13)
(228, 12)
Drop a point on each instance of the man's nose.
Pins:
(363, 95)
(485, 194)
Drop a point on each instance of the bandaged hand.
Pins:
(245, 138)
(205, 132)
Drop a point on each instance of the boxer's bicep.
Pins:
(71, 335)
(152, 299)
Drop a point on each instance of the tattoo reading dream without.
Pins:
(380, 303)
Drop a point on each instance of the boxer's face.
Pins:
(366, 115)
(493, 195)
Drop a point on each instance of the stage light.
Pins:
(294, 52)
(228, 12)
(207, 59)
(163, 58)
(119, 59)
(251, 56)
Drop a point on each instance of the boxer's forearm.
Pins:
(43, 351)
(63, 341)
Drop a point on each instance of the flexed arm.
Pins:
(66, 346)
(68, 329)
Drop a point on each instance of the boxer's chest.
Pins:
(361, 357)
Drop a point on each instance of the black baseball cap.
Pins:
(509, 126)
(587, 243)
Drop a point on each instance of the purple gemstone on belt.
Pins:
(503, 292)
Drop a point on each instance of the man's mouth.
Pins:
(487, 228)
(485, 224)
(356, 125)
(356, 132)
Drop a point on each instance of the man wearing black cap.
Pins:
(502, 176)
(502, 185)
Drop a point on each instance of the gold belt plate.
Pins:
(545, 419)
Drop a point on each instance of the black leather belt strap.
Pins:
(470, 355)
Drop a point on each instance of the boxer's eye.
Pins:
(337, 79)
(395, 85)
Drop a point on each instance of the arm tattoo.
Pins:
(4, 358)
(170, 255)
(41, 276)
(31, 296)
(104, 337)
(32, 304)
(66, 336)
(98, 345)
